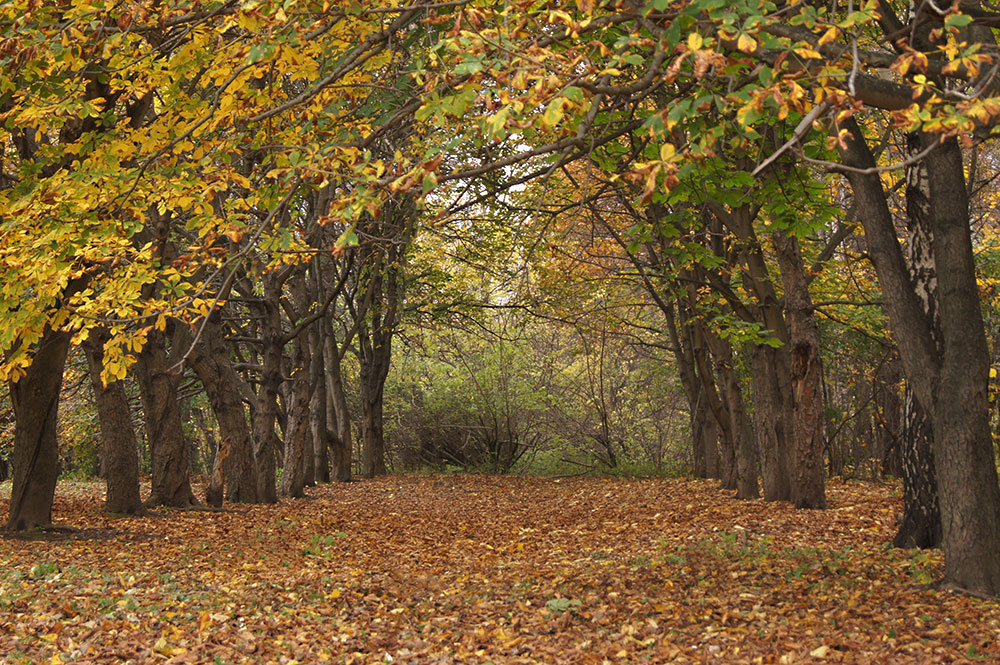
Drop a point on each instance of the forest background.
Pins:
(283, 243)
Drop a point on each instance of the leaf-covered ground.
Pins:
(478, 569)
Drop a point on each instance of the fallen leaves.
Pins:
(477, 569)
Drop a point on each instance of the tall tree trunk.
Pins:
(808, 441)
(955, 381)
(317, 404)
(164, 429)
(265, 409)
(772, 420)
(338, 414)
(963, 444)
(210, 361)
(293, 474)
(298, 455)
(372, 428)
(746, 469)
(119, 450)
(704, 427)
(35, 398)
(771, 384)
(888, 416)
(921, 524)
(715, 455)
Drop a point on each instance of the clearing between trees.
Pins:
(482, 569)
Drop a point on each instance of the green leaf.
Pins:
(957, 20)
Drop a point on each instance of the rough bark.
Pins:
(747, 470)
(373, 372)
(955, 381)
(921, 523)
(265, 408)
(317, 405)
(772, 421)
(210, 360)
(119, 450)
(298, 456)
(704, 429)
(806, 469)
(716, 457)
(35, 398)
(969, 493)
(164, 429)
(888, 416)
(771, 382)
(338, 413)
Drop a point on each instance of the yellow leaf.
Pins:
(56, 660)
(695, 41)
(829, 35)
(820, 652)
(51, 637)
(204, 623)
(746, 43)
(554, 113)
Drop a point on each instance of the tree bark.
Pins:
(704, 427)
(969, 493)
(119, 450)
(806, 469)
(747, 470)
(372, 427)
(293, 476)
(338, 414)
(317, 404)
(265, 409)
(35, 398)
(921, 524)
(164, 429)
(210, 361)
(955, 381)
(298, 456)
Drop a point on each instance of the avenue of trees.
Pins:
(335, 237)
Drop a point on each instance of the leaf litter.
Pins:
(480, 569)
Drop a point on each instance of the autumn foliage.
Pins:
(478, 569)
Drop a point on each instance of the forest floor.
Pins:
(480, 569)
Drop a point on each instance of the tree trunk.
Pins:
(808, 441)
(35, 398)
(888, 412)
(265, 410)
(164, 430)
(317, 404)
(746, 468)
(372, 431)
(338, 415)
(955, 381)
(921, 525)
(704, 427)
(293, 474)
(963, 444)
(119, 450)
(772, 421)
(771, 384)
(210, 361)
